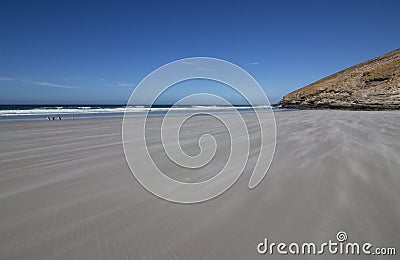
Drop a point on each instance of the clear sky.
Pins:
(97, 52)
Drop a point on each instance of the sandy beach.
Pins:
(66, 192)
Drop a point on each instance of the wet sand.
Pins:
(66, 192)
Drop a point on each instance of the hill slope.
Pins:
(371, 85)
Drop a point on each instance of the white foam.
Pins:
(98, 110)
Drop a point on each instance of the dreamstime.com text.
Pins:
(340, 246)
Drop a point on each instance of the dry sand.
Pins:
(66, 192)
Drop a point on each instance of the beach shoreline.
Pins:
(66, 192)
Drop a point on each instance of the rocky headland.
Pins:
(371, 85)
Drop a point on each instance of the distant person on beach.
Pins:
(54, 118)
(59, 117)
(48, 118)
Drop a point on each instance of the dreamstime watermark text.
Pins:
(339, 246)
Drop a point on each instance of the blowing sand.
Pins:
(66, 192)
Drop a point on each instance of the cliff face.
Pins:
(371, 85)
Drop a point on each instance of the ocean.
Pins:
(80, 111)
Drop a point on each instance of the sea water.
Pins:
(44, 112)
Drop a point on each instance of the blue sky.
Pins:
(97, 52)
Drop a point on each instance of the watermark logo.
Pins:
(192, 154)
(339, 247)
